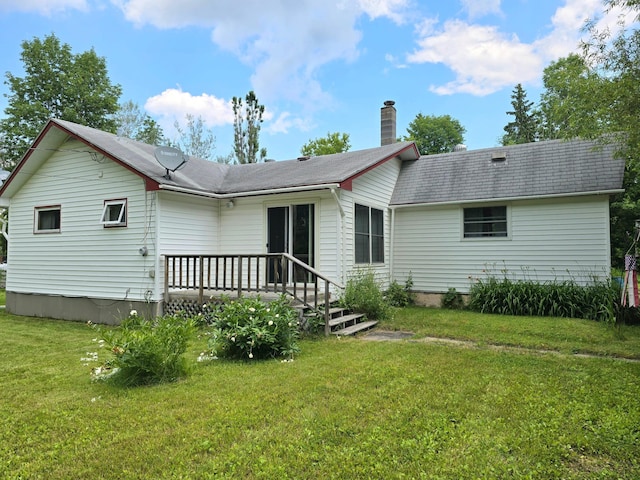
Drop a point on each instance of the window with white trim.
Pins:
(114, 213)
(483, 222)
(369, 234)
(47, 219)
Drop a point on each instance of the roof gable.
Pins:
(205, 177)
(539, 169)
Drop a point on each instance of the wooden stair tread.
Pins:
(355, 328)
(344, 319)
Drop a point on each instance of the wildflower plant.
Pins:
(400, 295)
(363, 293)
(144, 351)
(251, 329)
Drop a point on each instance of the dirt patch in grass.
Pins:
(386, 335)
(391, 335)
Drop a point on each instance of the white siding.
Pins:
(84, 259)
(187, 224)
(243, 228)
(556, 239)
(373, 189)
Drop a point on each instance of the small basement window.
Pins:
(47, 219)
(114, 213)
(482, 222)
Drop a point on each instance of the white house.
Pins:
(93, 217)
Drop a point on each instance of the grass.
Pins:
(543, 333)
(344, 408)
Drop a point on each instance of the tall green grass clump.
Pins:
(596, 301)
(146, 351)
(400, 295)
(364, 294)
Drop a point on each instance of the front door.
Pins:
(290, 229)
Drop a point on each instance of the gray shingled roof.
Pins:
(213, 177)
(323, 170)
(538, 169)
(198, 174)
(529, 170)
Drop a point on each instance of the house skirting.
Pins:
(82, 309)
(427, 299)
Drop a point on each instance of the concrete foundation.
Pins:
(425, 299)
(81, 309)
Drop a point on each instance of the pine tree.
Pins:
(524, 126)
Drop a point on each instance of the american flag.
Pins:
(630, 295)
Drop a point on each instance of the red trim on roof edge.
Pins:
(150, 184)
(348, 183)
(25, 157)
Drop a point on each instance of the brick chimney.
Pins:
(388, 123)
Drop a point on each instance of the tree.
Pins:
(333, 143)
(435, 134)
(573, 104)
(618, 60)
(524, 125)
(246, 129)
(59, 84)
(195, 139)
(132, 123)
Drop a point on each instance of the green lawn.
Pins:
(541, 333)
(345, 408)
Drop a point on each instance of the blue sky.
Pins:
(318, 66)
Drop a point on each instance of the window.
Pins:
(114, 213)
(369, 235)
(482, 222)
(47, 219)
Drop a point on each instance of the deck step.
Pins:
(353, 317)
(353, 329)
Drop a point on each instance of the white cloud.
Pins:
(567, 24)
(393, 9)
(285, 122)
(43, 7)
(485, 59)
(285, 42)
(479, 8)
(174, 104)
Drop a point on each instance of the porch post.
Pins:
(166, 278)
(201, 280)
(327, 327)
(239, 276)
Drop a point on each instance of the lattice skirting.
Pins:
(182, 305)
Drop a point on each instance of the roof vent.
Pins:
(304, 159)
(498, 157)
(460, 148)
(269, 160)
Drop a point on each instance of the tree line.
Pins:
(76, 87)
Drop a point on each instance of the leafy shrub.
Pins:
(398, 295)
(597, 301)
(146, 351)
(452, 300)
(250, 328)
(363, 294)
